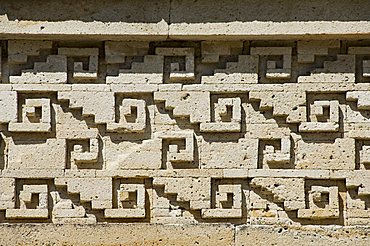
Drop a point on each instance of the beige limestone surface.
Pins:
(184, 19)
(184, 122)
(143, 234)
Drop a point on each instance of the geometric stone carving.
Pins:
(194, 105)
(149, 70)
(196, 191)
(33, 202)
(323, 203)
(363, 154)
(179, 71)
(289, 191)
(53, 71)
(132, 117)
(283, 104)
(244, 71)
(256, 132)
(358, 197)
(273, 70)
(129, 201)
(117, 52)
(323, 117)
(177, 148)
(273, 156)
(84, 153)
(97, 191)
(80, 73)
(211, 51)
(359, 181)
(35, 116)
(227, 116)
(97, 103)
(362, 52)
(20, 50)
(308, 50)
(361, 97)
(185, 122)
(228, 202)
(341, 70)
(66, 211)
(366, 68)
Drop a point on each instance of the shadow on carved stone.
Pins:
(275, 153)
(33, 201)
(362, 152)
(130, 201)
(325, 202)
(84, 153)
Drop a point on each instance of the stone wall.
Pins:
(181, 123)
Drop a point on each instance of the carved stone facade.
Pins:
(246, 132)
(185, 122)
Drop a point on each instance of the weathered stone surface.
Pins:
(250, 130)
(284, 235)
(116, 234)
(207, 19)
(261, 148)
(144, 234)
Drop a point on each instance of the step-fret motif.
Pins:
(244, 132)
